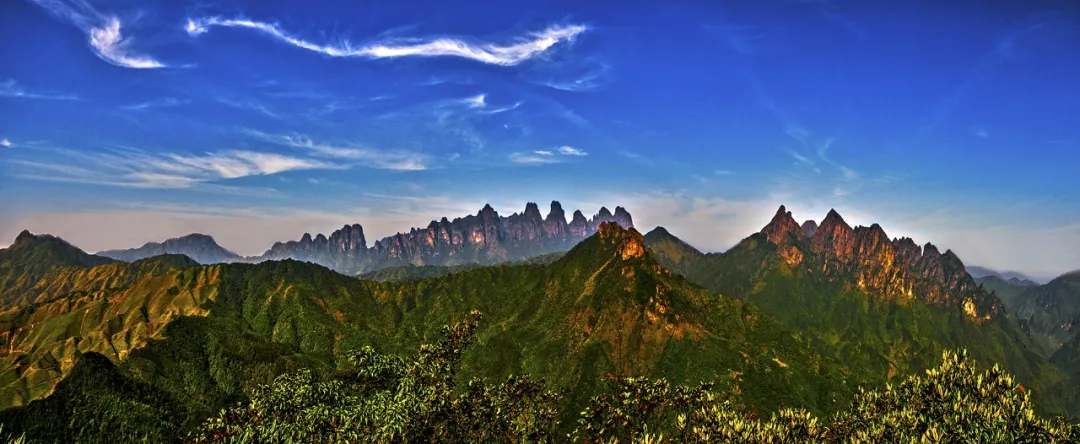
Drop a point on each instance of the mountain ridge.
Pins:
(200, 247)
(604, 306)
(483, 238)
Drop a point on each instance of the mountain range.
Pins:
(980, 272)
(199, 247)
(793, 315)
(484, 238)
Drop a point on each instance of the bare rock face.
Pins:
(484, 238)
(866, 258)
(781, 225)
(629, 243)
(579, 226)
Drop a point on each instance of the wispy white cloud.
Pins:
(475, 101)
(250, 105)
(158, 103)
(368, 157)
(723, 172)
(521, 49)
(571, 151)
(136, 168)
(981, 133)
(595, 76)
(103, 33)
(11, 88)
(112, 47)
(6, 143)
(801, 158)
(539, 157)
(532, 159)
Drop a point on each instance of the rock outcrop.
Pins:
(482, 238)
(865, 257)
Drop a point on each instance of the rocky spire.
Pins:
(623, 218)
(809, 227)
(781, 224)
(532, 212)
(556, 212)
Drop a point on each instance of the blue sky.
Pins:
(951, 122)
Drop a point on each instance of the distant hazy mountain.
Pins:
(199, 247)
(485, 238)
(1051, 312)
(977, 272)
(1006, 289)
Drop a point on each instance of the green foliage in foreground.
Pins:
(390, 400)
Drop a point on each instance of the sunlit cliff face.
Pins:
(895, 269)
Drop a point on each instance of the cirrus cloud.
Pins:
(540, 157)
(521, 49)
(103, 33)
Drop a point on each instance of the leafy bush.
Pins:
(951, 403)
(389, 400)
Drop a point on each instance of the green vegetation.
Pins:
(596, 343)
(30, 258)
(389, 399)
(876, 337)
(1051, 312)
(1006, 290)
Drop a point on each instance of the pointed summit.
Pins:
(623, 217)
(809, 227)
(556, 212)
(24, 238)
(833, 224)
(781, 224)
(532, 211)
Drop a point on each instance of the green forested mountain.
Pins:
(1051, 312)
(205, 336)
(152, 349)
(1006, 289)
(30, 258)
(883, 307)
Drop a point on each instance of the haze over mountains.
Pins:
(483, 238)
(796, 314)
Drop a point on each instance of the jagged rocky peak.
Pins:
(532, 211)
(630, 243)
(780, 226)
(604, 212)
(931, 252)
(623, 217)
(306, 238)
(579, 226)
(874, 231)
(907, 250)
(556, 213)
(833, 221)
(809, 227)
